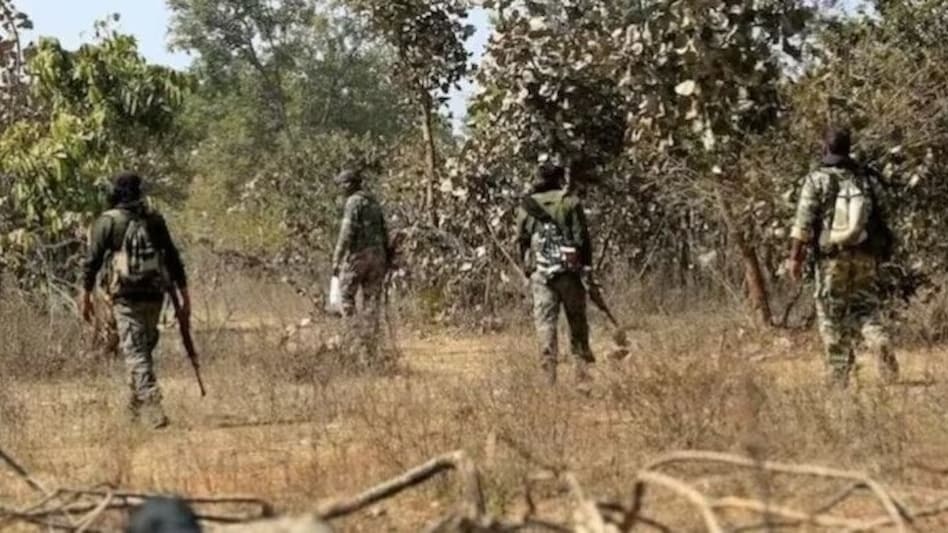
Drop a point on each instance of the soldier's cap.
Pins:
(164, 515)
(348, 177)
(127, 181)
(837, 143)
(126, 188)
(549, 173)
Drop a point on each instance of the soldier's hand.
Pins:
(185, 303)
(86, 309)
(795, 268)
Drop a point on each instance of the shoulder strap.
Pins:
(116, 214)
(537, 211)
(120, 218)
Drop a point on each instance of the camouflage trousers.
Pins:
(363, 272)
(849, 306)
(549, 295)
(138, 336)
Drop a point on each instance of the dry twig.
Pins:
(895, 511)
(472, 499)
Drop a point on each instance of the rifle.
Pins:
(184, 325)
(595, 295)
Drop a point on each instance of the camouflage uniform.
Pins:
(848, 300)
(137, 312)
(361, 261)
(551, 291)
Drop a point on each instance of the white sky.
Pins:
(71, 21)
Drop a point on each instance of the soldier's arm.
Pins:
(802, 232)
(386, 240)
(345, 231)
(172, 256)
(100, 235)
(523, 234)
(581, 232)
(173, 264)
(879, 196)
(807, 213)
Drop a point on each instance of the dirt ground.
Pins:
(277, 425)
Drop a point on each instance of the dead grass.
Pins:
(286, 423)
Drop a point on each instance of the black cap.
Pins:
(837, 143)
(164, 515)
(126, 188)
(348, 177)
(549, 174)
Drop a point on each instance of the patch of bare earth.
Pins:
(280, 426)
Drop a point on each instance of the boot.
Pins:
(888, 367)
(838, 378)
(153, 417)
(583, 377)
(549, 368)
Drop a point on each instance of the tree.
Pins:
(546, 92)
(703, 80)
(658, 107)
(263, 36)
(428, 38)
(886, 77)
(12, 79)
(272, 164)
(96, 110)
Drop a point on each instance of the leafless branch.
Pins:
(894, 510)
(472, 498)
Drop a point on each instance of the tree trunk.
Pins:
(753, 275)
(431, 159)
(756, 285)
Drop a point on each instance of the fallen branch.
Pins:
(791, 515)
(472, 505)
(22, 473)
(615, 508)
(686, 491)
(935, 510)
(92, 504)
(839, 498)
(87, 521)
(58, 510)
(895, 511)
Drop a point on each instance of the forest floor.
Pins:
(283, 425)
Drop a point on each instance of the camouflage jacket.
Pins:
(363, 226)
(816, 205)
(106, 236)
(567, 211)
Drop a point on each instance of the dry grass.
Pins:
(288, 424)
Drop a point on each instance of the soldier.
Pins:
(144, 263)
(555, 248)
(841, 220)
(360, 261)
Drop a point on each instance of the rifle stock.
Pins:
(184, 325)
(595, 295)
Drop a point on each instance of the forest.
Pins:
(686, 127)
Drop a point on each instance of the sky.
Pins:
(71, 21)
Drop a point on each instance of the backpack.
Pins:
(137, 265)
(856, 220)
(553, 252)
